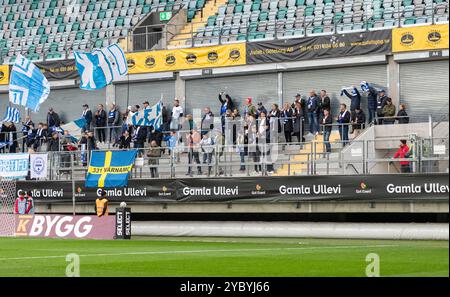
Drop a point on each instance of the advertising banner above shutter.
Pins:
(329, 46)
(420, 38)
(187, 58)
(58, 70)
(4, 74)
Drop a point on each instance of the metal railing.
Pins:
(430, 155)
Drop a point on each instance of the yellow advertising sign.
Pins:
(187, 58)
(420, 38)
(4, 74)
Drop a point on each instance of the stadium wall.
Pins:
(294, 229)
(411, 78)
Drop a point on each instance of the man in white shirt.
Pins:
(177, 113)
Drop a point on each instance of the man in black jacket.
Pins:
(402, 115)
(327, 122)
(358, 121)
(371, 102)
(87, 115)
(344, 119)
(100, 123)
(139, 137)
(41, 135)
(53, 119)
(325, 103)
(312, 108)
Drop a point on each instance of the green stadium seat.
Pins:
(211, 21)
(191, 14)
(31, 23)
(20, 32)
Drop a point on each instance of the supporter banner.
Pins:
(330, 46)
(255, 189)
(38, 165)
(61, 226)
(4, 74)
(188, 58)
(420, 38)
(58, 70)
(14, 165)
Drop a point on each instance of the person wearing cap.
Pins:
(260, 109)
(101, 205)
(249, 109)
(389, 112)
(87, 115)
(53, 119)
(381, 103)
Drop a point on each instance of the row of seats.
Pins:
(265, 19)
(31, 27)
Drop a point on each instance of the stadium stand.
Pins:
(46, 29)
(252, 20)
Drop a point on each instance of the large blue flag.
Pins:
(110, 169)
(27, 85)
(151, 116)
(101, 67)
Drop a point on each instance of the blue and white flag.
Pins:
(151, 116)
(74, 128)
(27, 85)
(101, 67)
(12, 115)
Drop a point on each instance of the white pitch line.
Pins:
(203, 251)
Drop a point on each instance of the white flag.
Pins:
(38, 165)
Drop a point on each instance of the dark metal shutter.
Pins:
(146, 91)
(204, 91)
(332, 80)
(424, 87)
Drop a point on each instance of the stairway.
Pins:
(200, 19)
(303, 155)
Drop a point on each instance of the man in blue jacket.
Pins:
(372, 96)
(354, 96)
(312, 110)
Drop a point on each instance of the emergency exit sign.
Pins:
(165, 15)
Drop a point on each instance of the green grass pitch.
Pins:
(157, 256)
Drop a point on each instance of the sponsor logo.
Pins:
(170, 59)
(191, 58)
(2, 75)
(54, 226)
(125, 192)
(234, 55)
(429, 188)
(310, 190)
(407, 39)
(259, 190)
(131, 63)
(434, 37)
(217, 191)
(213, 56)
(363, 189)
(165, 192)
(150, 62)
(45, 193)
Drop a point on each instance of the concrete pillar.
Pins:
(393, 80)
(180, 90)
(111, 94)
(280, 89)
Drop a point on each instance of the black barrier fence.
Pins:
(330, 46)
(252, 189)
